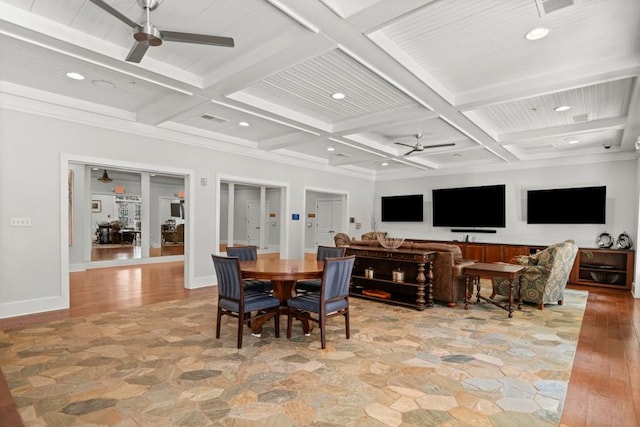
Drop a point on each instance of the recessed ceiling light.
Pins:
(561, 108)
(384, 164)
(338, 95)
(457, 155)
(75, 76)
(331, 149)
(245, 124)
(104, 84)
(573, 141)
(537, 34)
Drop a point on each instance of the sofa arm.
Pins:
(458, 268)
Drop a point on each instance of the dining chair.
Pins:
(313, 285)
(250, 253)
(236, 301)
(331, 300)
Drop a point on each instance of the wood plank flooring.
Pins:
(604, 389)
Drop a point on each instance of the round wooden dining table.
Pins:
(283, 274)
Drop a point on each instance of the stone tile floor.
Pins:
(161, 365)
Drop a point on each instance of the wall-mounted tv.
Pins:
(177, 210)
(583, 205)
(482, 206)
(402, 208)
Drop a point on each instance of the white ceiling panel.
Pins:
(306, 88)
(453, 71)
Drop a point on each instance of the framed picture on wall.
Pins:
(96, 206)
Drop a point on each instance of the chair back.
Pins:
(325, 252)
(229, 277)
(243, 253)
(337, 277)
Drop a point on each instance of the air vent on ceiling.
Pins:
(214, 118)
(546, 7)
(581, 118)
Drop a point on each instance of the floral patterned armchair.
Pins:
(545, 274)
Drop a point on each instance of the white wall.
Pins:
(621, 214)
(31, 147)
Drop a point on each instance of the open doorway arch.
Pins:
(233, 198)
(82, 197)
(326, 215)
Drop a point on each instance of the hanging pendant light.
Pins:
(105, 177)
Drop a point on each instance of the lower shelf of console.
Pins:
(398, 293)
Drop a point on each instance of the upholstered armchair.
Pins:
(373, 235)
(342, 239)
(545, 274)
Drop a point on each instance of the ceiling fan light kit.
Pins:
(146, 34)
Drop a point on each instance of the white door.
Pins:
(254, 224)
(328, 221)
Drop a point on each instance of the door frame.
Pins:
(339, 194)
(284, 207)
(66, 159)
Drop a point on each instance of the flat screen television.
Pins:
(482, 206)
(406, 208)
(177, 210)
(582, 205)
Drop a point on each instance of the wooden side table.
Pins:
(474, 272)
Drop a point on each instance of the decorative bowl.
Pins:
(391, 242)
(605, 276)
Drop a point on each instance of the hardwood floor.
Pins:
(604, 389)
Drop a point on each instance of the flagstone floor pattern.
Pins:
(161, 365)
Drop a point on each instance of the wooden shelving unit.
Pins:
(414, 291)
(611, 268)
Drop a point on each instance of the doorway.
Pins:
(76, 225)
(326, 215)
(251, 213)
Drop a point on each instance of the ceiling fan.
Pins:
(419, 147)
(146, 34)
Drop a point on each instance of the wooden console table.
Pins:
(474, 272)
(415, 289)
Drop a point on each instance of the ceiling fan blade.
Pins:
(406, 145)
(137, 52)
(104, 6)
(450, 144)
(409, 152)
(173, 36)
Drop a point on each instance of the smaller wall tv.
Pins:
(582, 205)
(177, 210)
(482, 206)
(406, 208)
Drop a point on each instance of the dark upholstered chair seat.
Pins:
(331, 300)
(235, 301)
(250, 253)
(313, 285)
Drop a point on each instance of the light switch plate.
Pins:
(15, 221)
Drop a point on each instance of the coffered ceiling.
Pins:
(455, 72)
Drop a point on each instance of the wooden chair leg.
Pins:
(276, 319)
(219, 319)
(323, 338)
(240, 329)
(540, 306)
(289, 323)
(346, 322)
(560, 302)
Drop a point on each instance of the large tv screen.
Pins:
(482, 206)
(402, 208)
(583, 205)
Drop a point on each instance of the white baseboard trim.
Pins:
(39, 305)
(134, 261)
(75, 268)
(203, 282)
